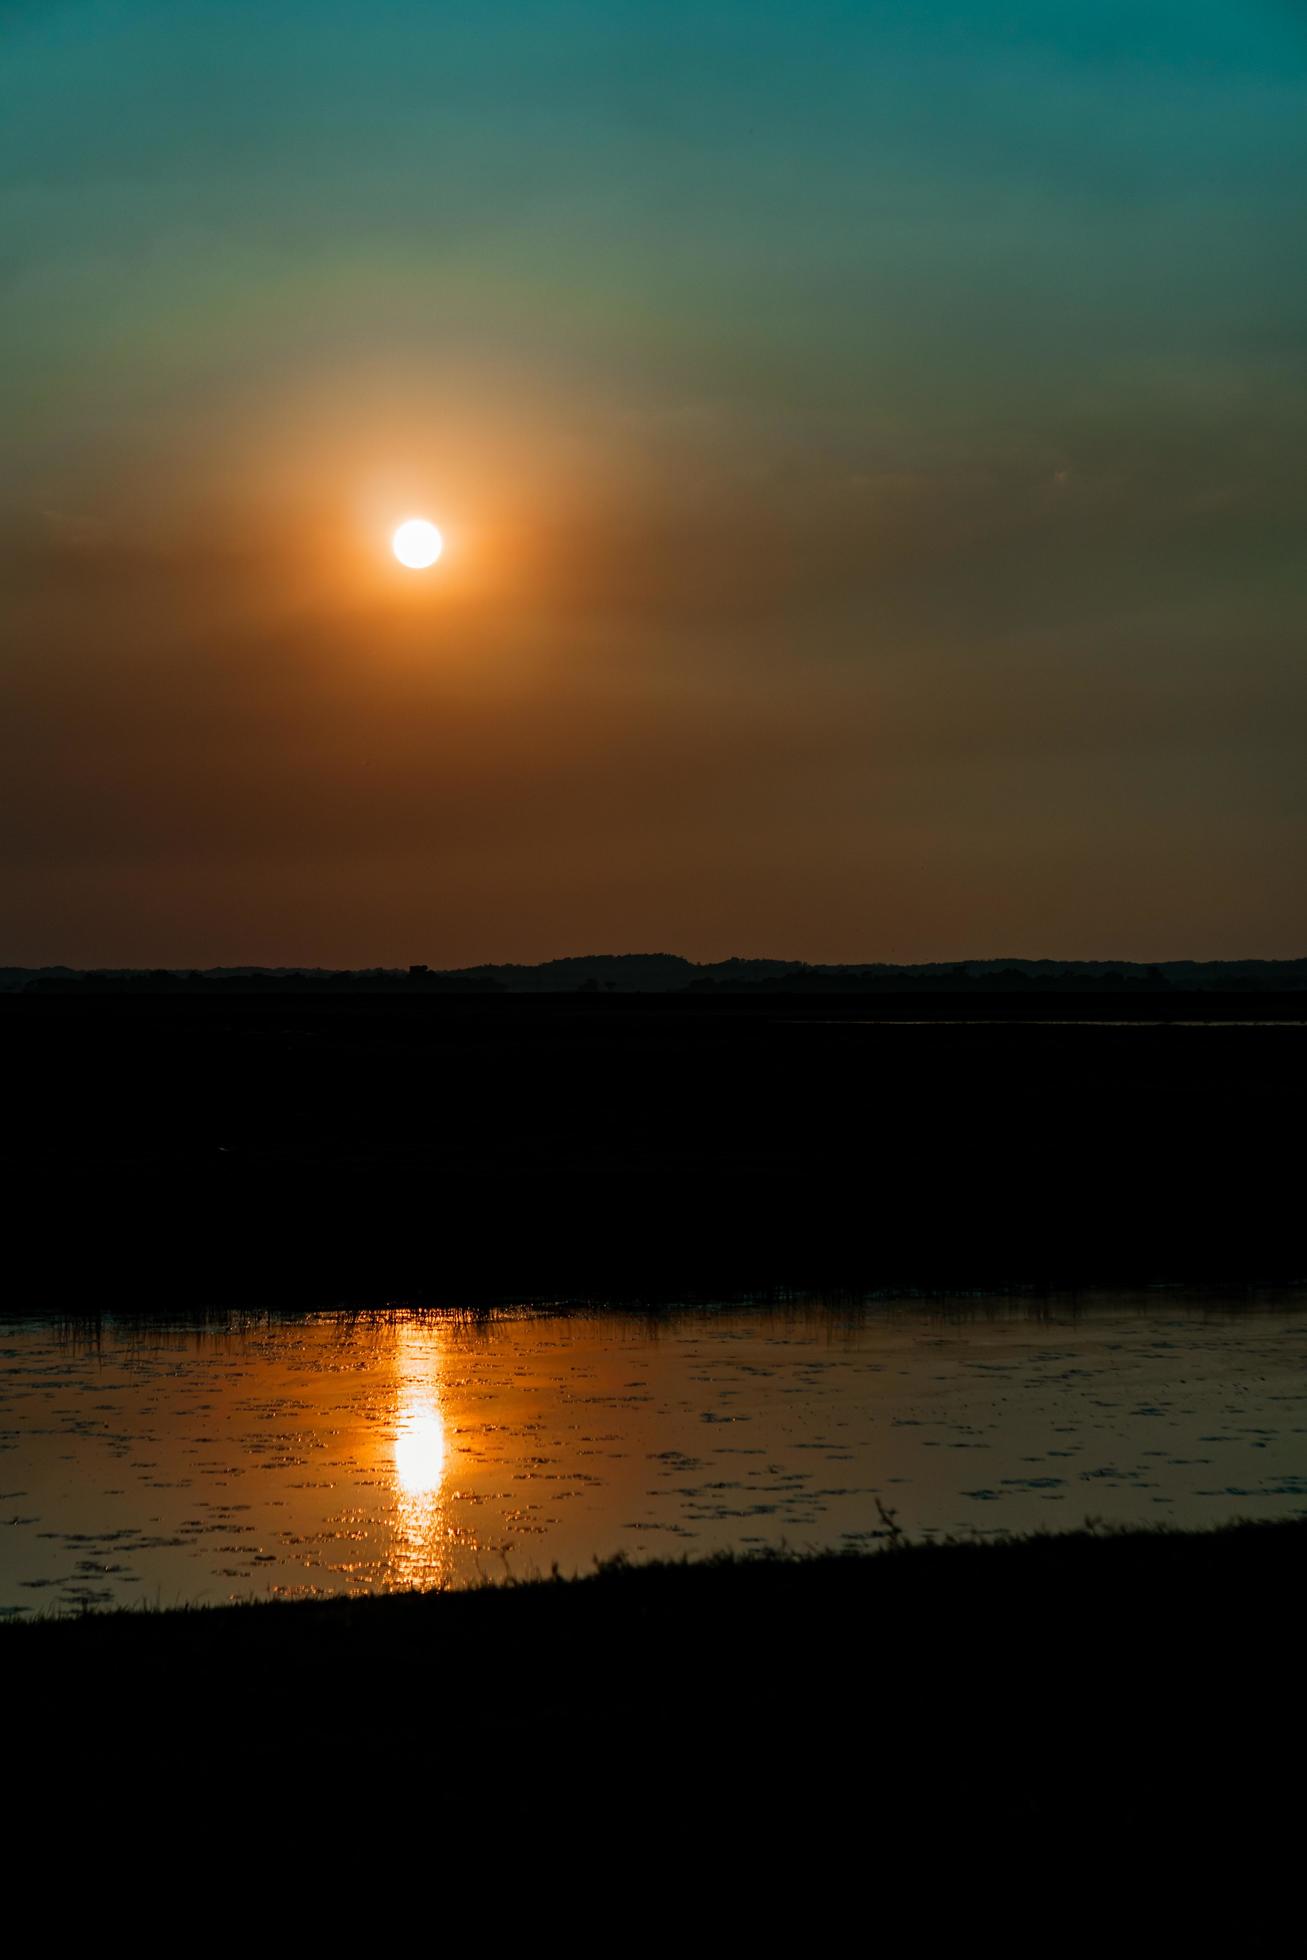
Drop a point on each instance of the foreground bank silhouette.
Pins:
(1112, 1676)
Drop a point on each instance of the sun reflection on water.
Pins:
(420, 1449)
(420, 1545)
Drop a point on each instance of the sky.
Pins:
(867, 434)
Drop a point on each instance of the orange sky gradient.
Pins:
(895, 559)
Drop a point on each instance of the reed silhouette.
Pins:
(312, 1147)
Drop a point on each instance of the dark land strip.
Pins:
(172, 1151)
(1103, 1673)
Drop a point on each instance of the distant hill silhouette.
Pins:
(668, 973)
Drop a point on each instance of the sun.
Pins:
(417, 544)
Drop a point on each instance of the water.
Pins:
(162, 1464)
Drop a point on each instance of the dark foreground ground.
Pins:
(1095, 1673)
(1050, 1746)
(300, 1150)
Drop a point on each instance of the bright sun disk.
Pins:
(417, 544)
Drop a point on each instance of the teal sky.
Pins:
(869, 439)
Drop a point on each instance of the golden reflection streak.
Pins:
(419, 1554)
(420, 1450)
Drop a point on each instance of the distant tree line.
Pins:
(667, 974)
